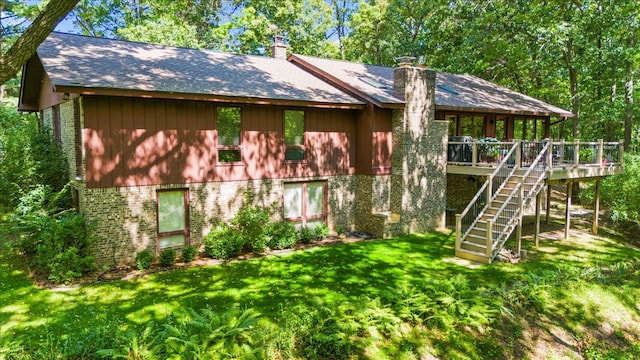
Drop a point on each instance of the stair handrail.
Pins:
(516, 190)
(494, 219)
(461, 234)
(533, 165)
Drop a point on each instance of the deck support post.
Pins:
(546, 220)
(458, 231)
(567, 215)
(596, 208)
(536, 234)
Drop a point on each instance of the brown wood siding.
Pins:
(132, 141)
(382, 142)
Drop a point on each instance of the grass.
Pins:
(561, 291)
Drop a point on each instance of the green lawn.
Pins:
(347, 276)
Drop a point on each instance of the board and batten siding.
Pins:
(134, 141)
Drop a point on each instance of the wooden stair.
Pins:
(503, 211)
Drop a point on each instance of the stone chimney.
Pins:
(418, 161)
(279, 48)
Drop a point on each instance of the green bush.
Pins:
(306, 234)
(281, 235)
(167, 257)
(55, 242)
(144, 259)
(251, 221)
(321, 231)
(189, 253)
(198, 335)
(28, 156)
(620, 193)
(223, 243)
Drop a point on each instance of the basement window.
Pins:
(304, 202)
(173, 215)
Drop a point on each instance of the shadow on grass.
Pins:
(323, 276)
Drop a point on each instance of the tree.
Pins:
(24, 47)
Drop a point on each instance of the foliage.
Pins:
(197, 335)
(620, 193)
(321, 231)
(488, 146)
(223, 242)
(306, 234)
(250, 222)
(55, 241)
(144, 259)
(167, 257)
(281, 235)
(189, 253)
(28, 156)
(392, 298)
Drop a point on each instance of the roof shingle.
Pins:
(90, 62)
(453, 91)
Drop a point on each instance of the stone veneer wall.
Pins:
(418, 161)
(125, 217)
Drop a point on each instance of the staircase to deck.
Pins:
(497, 208)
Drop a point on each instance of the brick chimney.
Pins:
(279, 48)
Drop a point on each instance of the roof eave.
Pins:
(83, 90)
(503, 111)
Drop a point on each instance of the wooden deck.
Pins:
(571, 161)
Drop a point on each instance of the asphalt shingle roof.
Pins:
(453, 91)
(90, 62)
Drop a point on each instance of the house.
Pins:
(163, 142)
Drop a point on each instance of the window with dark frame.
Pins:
(229, 125)
(305, 202)
(55, 124)
(173, 218)
(294, 135)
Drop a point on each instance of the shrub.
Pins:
(281, 235)
(223, 243)
(306, 234)
(144, 259)
(620, 193)
(189, 253)
(251, 221)
(167, 257)
(321, 231)
(55, 243)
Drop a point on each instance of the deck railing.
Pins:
(563, 153)
(468, 217)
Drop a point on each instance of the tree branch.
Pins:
(31, 38)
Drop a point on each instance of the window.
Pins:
(77, 125)
(173, 215)
(472, 126)
(453, 124)
(229, 128)
(55, 124)
(304, 203)
(294, 135)
(501, 129)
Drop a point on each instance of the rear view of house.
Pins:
(163, 143)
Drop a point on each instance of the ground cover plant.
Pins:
(399, 298)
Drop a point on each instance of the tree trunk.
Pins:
(628, 97)
(35, 34)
